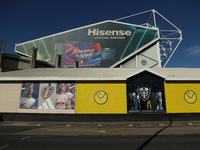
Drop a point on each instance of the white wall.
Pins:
(151, 56)
(10, 94)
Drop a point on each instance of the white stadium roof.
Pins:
(98, 74)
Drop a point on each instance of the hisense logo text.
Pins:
(109, 32)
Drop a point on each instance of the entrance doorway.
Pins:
(145, 93)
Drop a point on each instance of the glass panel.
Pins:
(114, 40)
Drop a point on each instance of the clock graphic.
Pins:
(190, 96)
(100, 97)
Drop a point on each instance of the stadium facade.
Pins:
(121, 70)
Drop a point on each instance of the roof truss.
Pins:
(169, 38)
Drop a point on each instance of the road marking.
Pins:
(77, 130)
(25, 137)
(3, 146)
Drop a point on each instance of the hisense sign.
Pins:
(98, 32)
(100, 44)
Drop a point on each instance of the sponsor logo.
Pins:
(190, 96)
(98, 32)
(144, 92)
(47, 105)
(47, 91)
(100, 97)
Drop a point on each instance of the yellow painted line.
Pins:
(190, 124)
(25, 137)
(3, 146)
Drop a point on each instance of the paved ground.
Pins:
(157, 135)
(102, 128)
(135, 142)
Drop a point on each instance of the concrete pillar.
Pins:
(75, 64)
(4, 46)
(1, 53)
(1, 60)
(1, 44)
(58, 61)
(33, 58)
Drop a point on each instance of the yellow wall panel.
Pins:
(113, 92)
(182, 97)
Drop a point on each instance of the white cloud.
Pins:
(193, 50)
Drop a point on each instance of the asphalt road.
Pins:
(100, 128)
(144, 142)
(100, 136)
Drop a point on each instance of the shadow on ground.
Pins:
(153, 136)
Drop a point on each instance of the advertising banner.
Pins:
(100, 45)
(29, 97)
(83, 52)
(60, 95)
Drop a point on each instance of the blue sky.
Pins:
(24, 20)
